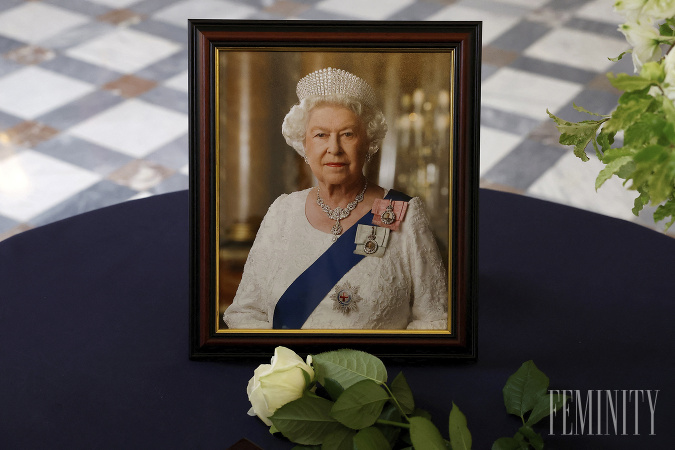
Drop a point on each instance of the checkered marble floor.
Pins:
(93, 95)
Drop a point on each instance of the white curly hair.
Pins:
(294, 125)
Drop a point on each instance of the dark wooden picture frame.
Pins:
(217, 48)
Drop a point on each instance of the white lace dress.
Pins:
(405, 288)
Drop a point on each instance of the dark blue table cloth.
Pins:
(94, 330)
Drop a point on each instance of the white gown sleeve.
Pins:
(251, 305)
(428, 274)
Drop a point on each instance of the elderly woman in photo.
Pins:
(346, 254)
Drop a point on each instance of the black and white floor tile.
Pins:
(93, 95)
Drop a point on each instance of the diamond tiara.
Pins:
(335, 81)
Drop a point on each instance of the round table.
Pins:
(94, 331)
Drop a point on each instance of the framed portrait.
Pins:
(286, 113)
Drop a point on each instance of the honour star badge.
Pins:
(345, 298)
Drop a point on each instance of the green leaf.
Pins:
(646, 130)
(306, 420)
(521, 438)
(523, 389)
(625, 82)
(666, 30)
(631, 106)
(635, 96)
(421, 413)
(307, 377)
(649, 128)
(460, 437)
(626, 172)
(584, 110)
(652, 154)
(370, 439)
(618, 58)
(605, 140)
(348, 367)
(532, 437)
(425, 435)
(401, 391)
(662, 181)
(665, 210)
(598, 153)
(610, 169)
(390, 413)
(360, 405)
(669, 133)
(543, 407)
(578, 134)
(668, 109)
(333, 388)
(653, 71)
(509, 443)
(615, 153)
(640, 202)
(342, 439)
(306, 447)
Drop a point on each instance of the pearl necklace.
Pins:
(338, 213)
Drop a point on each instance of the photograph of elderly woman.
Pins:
(334, 189)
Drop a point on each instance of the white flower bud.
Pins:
(644, 38)
(274, 385)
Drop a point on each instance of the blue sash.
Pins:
(312, 286)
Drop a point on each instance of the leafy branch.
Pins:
(362, 410)
(645, 114)
(526, 396)
(351, 405)
(647, 157)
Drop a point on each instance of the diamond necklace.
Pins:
(338, 213)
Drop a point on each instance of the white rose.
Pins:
(645, 39)
(274, 385)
